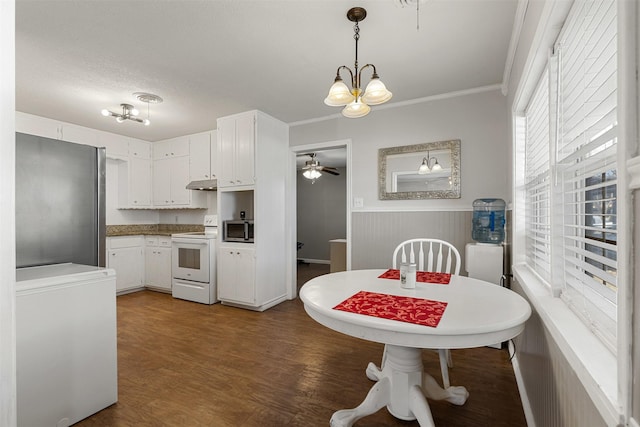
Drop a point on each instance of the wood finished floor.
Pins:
(186, 364)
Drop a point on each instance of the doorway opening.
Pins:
(321, 209)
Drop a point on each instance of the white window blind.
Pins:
(537, 184)
(586, 155)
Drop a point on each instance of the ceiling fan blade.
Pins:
(330, 171)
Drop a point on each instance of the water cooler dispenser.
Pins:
(484, 259)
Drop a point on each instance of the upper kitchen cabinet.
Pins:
(174, 147)
(236, 149)
(171, 176)
(202, 156)
(48, 128)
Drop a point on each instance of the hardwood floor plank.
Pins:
(186, 364)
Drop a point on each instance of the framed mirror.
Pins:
(421, 171)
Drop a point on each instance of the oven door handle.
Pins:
(197, 242)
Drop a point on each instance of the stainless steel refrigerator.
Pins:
(60, 202)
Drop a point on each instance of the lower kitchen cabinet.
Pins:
(125, 257)
(236, 275)
(157, 262)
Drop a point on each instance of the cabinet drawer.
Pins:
(151, 241)
(124, 242)
(164, 241)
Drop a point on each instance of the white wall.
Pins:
(479, 120)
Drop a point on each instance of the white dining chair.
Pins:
(437, 256)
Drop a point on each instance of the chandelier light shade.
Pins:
(356, 103)
(426, 166)
(129, 112)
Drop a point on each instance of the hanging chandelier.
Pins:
(129, 112)
(355, 101)
(426, 166)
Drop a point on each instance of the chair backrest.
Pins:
(429, 255)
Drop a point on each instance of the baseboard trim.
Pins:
(524, 398)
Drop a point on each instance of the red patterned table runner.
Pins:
(421, 276)
(405, 309)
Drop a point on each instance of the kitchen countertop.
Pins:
(152, 229)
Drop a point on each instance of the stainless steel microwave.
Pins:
(240, 230)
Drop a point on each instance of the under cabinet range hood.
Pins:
(204, 185)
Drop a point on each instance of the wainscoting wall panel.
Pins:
(376, 234)
(553, 394)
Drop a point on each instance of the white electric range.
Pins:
(193, 263)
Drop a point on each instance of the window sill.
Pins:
(593, 363)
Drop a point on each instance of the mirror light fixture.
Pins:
(355, 101)
(129, 112)
(426, 167)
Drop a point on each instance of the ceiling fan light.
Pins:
(311, 174)
(134, 112)
(339, 94)
(376, 92)
(356, 109)
(119, 119)
(105, 112)
(146, 122)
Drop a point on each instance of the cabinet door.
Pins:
(127, 262)
(179, 180)
(214, 155)
(139, 149)
(245, 267)
(236, 272)
(244, 150)
(200, 156)
(226, 274)
(158, 267)
(162, 182)
(226, 152)
(139, 181)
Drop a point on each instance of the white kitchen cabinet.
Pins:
(261, 283)
(170, 178)
(134, 183)
(157, 263)
(174, 147)
(117, 145)
(48, 128)
(139, 148)
(236, 150)
(236, 274)
(125, 256)
(202, 155)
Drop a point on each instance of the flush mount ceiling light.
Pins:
(355, 101)
(129, 112)
(426, 167)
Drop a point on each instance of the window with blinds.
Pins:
(586, 156)
(537, 185)
(570, 168)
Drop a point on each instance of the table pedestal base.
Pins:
(401, 385)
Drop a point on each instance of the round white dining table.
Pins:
(477, 313)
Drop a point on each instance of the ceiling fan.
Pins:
(313, 170)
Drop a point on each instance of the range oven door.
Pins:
(190, 259)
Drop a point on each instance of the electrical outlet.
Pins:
(358, 202)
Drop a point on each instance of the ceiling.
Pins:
(209, 59)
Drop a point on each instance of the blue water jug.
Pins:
(488, 221)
